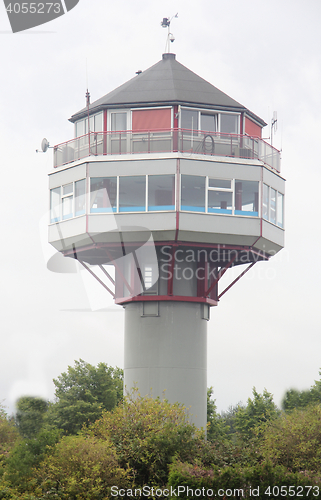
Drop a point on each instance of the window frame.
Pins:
(212, 112)
(275, 209)
(231, 189)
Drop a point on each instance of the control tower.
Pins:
(168, 180)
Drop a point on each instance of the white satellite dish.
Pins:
(44, 145)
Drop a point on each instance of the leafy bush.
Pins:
(262, 481)
(26, 455)
(147, 434)
(294, 440)
(81, 467)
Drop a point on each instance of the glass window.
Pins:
(193, 193)
(103, 194)
(67, 201)
(67, 211)
(208, 122)
(273, 205)
(189, 119)
(55, 200)
(266, 202)
(67, 189)
(132, 194)
(220, 196)
(80, 128)
(118, 121)
(99, 122)
(220, 202)
(161, 192)
(246, 198)
(80, 197)
(280, 210)
(229, 124)
(219, 183)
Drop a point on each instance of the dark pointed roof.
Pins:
(166, 83)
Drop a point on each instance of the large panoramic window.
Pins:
(246, 198)
(280, 210)
(132, 193)
(189, 119)
(95, 125)
(273, 206)
(193, 193)
(266, 202)
(67, 201)
(118, 121)
(161, 192)
(229, 124)
(103, 194)
(208, 122)
(55, 202)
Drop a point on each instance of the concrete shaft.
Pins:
(166, 353)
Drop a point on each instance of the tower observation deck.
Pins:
(168, 180)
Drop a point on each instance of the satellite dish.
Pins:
(44, 145)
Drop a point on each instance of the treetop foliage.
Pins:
(92, 438)
(301, 399)
(147, 433)
(258, 411)
(82, 393)
(30, 414)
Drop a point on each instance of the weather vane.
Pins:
(166, 22)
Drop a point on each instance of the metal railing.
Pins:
(165, 141)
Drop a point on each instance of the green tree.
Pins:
(216, 428)
(258, 411)
(301, 399)
(26, 455)
(30, 415)
(81, 467)
(147, 434)
(8, 437)
(294, 440)
(82, 393)
(8, 433)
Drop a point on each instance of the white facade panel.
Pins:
(70, 174)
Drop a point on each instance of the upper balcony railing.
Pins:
(166, 141)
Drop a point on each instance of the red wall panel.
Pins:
(151, 119)
(252, 128)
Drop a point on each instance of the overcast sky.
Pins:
(266, 331)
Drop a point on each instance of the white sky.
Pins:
(266, 331)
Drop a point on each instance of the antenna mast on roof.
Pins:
(274, 125)
(166, 22)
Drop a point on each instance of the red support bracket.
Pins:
(96, 277)
(220, 274)
(107, 274)
(236, 280)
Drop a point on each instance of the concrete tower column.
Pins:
(166, 353)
